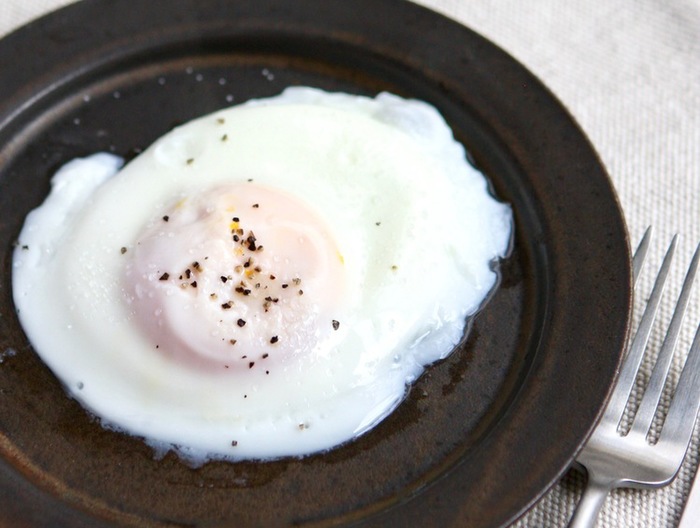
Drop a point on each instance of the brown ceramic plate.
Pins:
(484, 433)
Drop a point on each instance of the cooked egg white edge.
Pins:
(365, 144)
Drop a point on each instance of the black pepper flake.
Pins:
(25, 247)
(267, 372)
(336, 324)
(265, 355)
(296, 281)
(226, 305)
(285, 286)
(236, 219)
(377, 223)
(394, 268)
(240, 323)
(165, 276)
(251, 242)
(232, 341)
(188, 273)
(166, 218)
(196, 266)
(213, 295)
(258, 269)
(224, 279)
(234, 443)
(301, 292)
(251, 364)
(244, 291)
(190, 161)
(193, 284)
(274, 339)
(250, 180)
(236, 238)
(122, 250)
(255, 206)
(224, 137)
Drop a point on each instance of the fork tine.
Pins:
(680, 420)
(647, 407)
(628, 373)
(641, 254)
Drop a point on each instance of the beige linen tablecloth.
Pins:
(629, 72)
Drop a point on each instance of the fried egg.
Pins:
(263, 281)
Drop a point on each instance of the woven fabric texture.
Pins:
(629, 73)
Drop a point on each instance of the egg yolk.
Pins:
(235, 276)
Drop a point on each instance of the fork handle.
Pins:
(592, 500)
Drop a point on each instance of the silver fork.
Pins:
(612, 460)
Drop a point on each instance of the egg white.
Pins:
(414, 225)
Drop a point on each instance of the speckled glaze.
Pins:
(482, 434)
